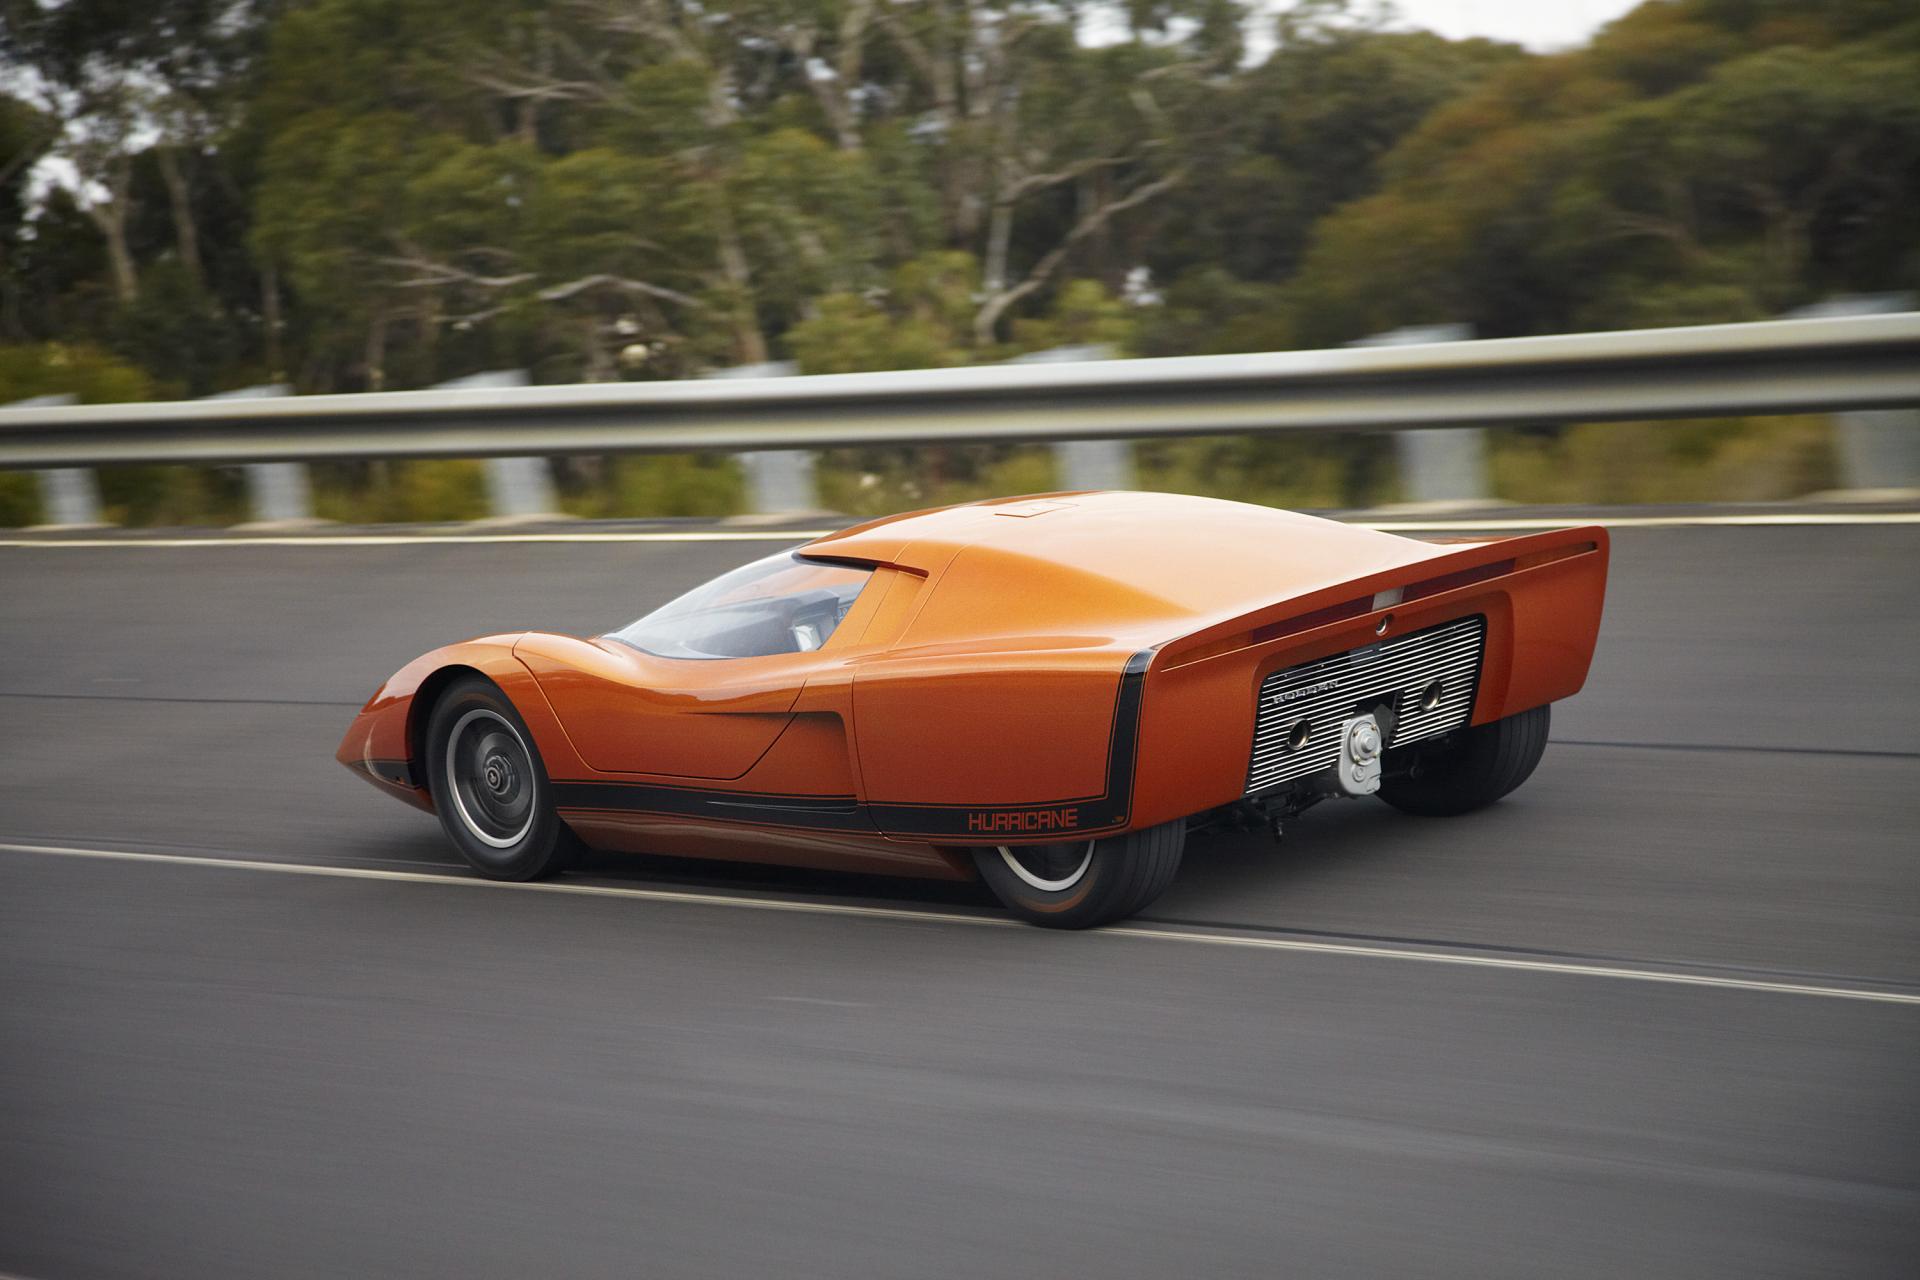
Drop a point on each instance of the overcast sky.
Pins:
(1538, 24)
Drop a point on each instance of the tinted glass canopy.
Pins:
(784, 603)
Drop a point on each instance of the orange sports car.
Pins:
(1046, 692)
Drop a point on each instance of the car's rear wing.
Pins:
(1445, 575)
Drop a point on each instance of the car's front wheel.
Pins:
(1467, 770)
(489, 787)
(1082, 883)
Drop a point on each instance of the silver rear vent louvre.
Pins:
(1428, 678)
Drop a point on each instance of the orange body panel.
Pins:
(630, 712)
(1021, 670)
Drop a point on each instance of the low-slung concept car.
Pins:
(1047, 692)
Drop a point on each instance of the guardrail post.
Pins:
(517, 488)
(1093, 464)
(1439, 466)
(277, 492)
(520, 488)
(1086, 464)
(780, 482)
(69, 496)
(1879, 449)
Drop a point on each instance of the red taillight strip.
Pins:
(1458, 578)
(1534, 559)
(1308, 621)
(1274, 630)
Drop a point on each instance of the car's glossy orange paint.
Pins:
(1071, 664)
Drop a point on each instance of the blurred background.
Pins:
(204, 196)
(1655, 1014)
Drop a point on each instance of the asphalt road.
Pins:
(1621, 1024)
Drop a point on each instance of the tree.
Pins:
(1698, 162)
(25, 136)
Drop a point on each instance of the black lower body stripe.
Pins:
(817, 813)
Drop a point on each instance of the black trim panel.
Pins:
(1081, 815)
(398, 773)
(817, 813)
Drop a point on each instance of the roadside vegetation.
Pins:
(348, 195)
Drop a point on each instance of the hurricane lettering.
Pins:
(1024, 820)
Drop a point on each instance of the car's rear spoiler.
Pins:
(1445, 572)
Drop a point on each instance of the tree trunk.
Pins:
(10, 327)
(270, 317)
(999, 238)
(600, 364)
(377, 351)
(180, 201)
(935, 62)
(986, 320)
(849, 66)
(750, 345)
(111, 219)
(126, 281)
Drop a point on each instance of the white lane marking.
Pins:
(1573, 967)
(1536, 966)
(1498, 525)
(537, 886)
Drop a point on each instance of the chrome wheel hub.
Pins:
(490, 779)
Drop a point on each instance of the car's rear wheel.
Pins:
(1078, 884)
(1467, 770)
(489, 787)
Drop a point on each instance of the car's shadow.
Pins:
(1335, 840)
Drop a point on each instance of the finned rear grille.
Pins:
(1325, 692)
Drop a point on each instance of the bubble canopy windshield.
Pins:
(784, 603)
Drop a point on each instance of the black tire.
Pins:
(490, 789)
(1110, 881)
(1467, 770)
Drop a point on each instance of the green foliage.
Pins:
(1718, 460)
(922, 320)
(397, 492)
(19, 500)
(1305, 132)
(1700, 161)
(873, 482)
(1210, 312)
(88, 374)
(1321, 472)
(355, 194)
(662, 485)
(172, 496)
(919, 322)
(128, 495)
(1084, 314)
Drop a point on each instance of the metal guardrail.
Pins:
(1784, 366)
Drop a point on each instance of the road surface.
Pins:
(1655, 1015)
